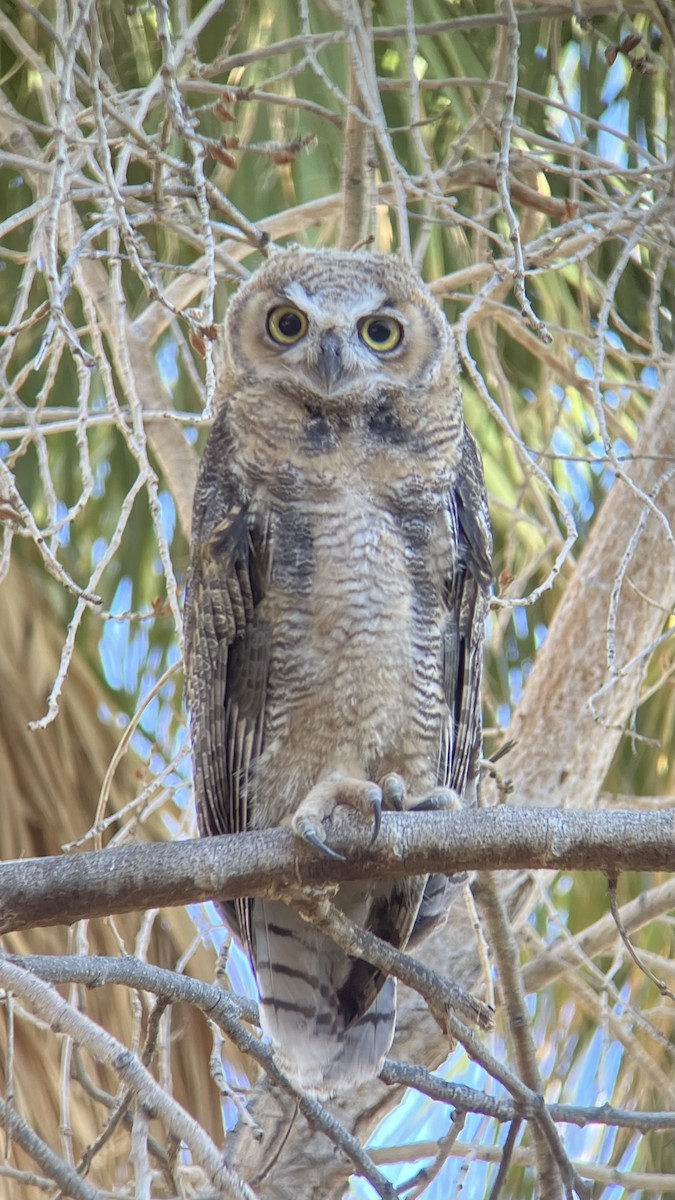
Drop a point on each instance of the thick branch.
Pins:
(62, 890)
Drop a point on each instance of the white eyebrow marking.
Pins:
(325, 306)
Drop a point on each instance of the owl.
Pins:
(335, 609)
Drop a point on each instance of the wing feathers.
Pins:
(227, 651)
(466, 597)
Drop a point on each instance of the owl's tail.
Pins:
(300, 975)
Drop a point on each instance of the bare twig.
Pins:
(512, 996)
(66, 1178)
(358, 165)
(442, 996)
(625, 938)
(503, 172)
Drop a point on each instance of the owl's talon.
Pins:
(394, 792)
(377, 816)
(440, 800)
(320, 804)
(311, 836)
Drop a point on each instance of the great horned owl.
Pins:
(334, 615)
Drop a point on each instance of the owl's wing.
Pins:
(226, 651)
(466, 595)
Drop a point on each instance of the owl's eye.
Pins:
(380, 333)
(286, 324)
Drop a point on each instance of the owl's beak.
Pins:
(329, 366)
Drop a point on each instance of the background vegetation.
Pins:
(523, 156)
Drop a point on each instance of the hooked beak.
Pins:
(329, 365)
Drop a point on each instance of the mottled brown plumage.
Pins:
(334, 615)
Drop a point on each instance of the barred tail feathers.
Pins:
(300, 973)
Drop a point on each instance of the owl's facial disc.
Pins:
(336, 356)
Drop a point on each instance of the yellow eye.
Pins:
(380, 333)
(286, 324)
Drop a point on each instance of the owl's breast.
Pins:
(341, 589)
(355, 621)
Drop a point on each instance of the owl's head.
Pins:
(336, 327)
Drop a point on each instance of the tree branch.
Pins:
(503, 1109)
(563, 956)
(63, 1018)
(67, 1178)
(442, 995)
(226, 1010)
(62, 890)
(358, 159)
(505, 949)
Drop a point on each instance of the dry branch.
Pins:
(63, 1018)
(62, 890)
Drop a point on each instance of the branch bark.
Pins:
(63, 1018)
(60, 890)
(358, 160)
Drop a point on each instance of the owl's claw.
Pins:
(311, 836)
(325, 797)
(394, 792)
(440, 800)
(377, 814)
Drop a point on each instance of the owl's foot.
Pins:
(325, 797)
(440, 800)
(395, 797)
